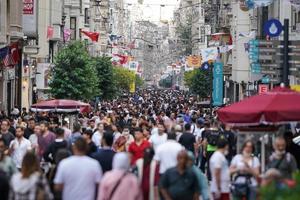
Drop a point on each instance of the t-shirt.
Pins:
(187, 140)
(19, 150)
(79, 175)
(239, 163)
(105, 157)
(218, 161)
(96, 138)
(157, 140)
(180, 186)
(137, 151)
(7, 137)
(166, 154)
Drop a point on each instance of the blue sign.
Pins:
(265, 80)
(218, 84)
(273, 28)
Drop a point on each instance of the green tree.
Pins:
(198, 82)
(123, 77)
(139, 82)
(74, 75)
(106, 79)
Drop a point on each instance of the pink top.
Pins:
(128, 183)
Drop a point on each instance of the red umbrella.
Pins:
(61, 105)
(280, 105)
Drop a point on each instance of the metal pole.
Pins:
(211, 88)
(286, 67)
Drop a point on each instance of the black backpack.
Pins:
(213, 137)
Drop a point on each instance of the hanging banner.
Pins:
(29, 18)
(133, 65)
(209, 54)
(218, 84)
(194, 61)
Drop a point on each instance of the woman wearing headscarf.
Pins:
(117, 183)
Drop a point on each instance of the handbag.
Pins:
(241, 189)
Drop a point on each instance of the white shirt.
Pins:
(166, 154)
(238, 162)
(218, 161)
(96, 138)
(67, 133)
(79, 176)
(19, 149)
(157, 140)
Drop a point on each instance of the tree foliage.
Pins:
(139, 82)
(199, 82)
(123, 77)
(74, 75)
(106, 81)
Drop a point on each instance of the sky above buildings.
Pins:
(156, 10)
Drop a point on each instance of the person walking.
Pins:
(179, 182)
(219, 170)
(119, 183)
(5, 134)
(59, 143)
(245, 167)
(105, 155)
(148, 175)
(92, 148)
(45, 139)
(97, 136)
(187, 139)
(159, 138)
(7, 165)
(19, 146)
(136, 148)
(166, 154)
(29, 183)
(75, 134)
(281, 160)
(79, 175)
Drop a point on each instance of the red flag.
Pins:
(50, 32)
(121, 59)
(94, 36)
(14, 50)
(131, 45)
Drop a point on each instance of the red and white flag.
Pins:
(12, 57)
(94, 36)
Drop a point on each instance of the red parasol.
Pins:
(61, 105)
(280, 105)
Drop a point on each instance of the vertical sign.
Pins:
(218, 84)
(28, 7)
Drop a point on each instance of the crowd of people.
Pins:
(151, 145)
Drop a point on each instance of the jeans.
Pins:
(251, 194)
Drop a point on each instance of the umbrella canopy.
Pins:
(61, 105)
(280, 105)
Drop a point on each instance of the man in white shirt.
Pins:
(166, 153)
(19, 146)
(78, 176)
(97, 136)
(220, 172)
(158, 138)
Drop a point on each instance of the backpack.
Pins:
(213, 137)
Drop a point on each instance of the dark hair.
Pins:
(30, 164)
(45, 123)
(222, 143)
(187, 127)
(81, 145)
(245, 143)
(88, 132)
(31, 119)
(138, 129)
(172, 136)
(65, 122)
(20, 127)
(6, 120)
(108, 138)
(76, 127)
(59, 131)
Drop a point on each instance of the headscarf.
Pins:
(121, 161)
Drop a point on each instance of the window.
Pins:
(86, 16)
(73, 27)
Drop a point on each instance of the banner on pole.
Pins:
(218, 84)
(194, 61)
